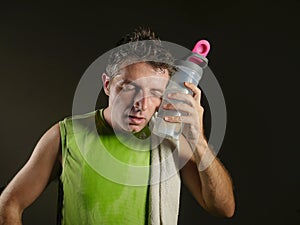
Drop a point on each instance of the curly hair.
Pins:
(142, 45)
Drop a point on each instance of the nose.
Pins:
(141, 101)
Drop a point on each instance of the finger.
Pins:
(182, 97)
(179, 119)
(181, 107)
(194, 89)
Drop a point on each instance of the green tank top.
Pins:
(90, 196)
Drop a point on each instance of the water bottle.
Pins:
(190, 69)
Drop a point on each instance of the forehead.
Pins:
(137, 71)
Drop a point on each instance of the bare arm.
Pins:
(32, 179)
(208, 181)
(203, 174)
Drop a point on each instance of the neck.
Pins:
(107, 117)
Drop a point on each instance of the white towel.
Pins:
(165, 184)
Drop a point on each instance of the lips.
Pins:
(135, 120)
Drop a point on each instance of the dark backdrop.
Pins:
(45, 49)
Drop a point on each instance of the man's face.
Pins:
(134, 95)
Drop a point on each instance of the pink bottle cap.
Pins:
(202, 48)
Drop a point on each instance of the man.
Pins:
(100, 151)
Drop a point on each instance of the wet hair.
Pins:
(141, 45)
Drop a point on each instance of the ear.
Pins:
(106, 80)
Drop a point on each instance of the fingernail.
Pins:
(170, 95)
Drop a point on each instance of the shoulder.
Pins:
(79, 123)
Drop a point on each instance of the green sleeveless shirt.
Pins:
(91, 187)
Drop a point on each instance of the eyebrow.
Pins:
(117, 78)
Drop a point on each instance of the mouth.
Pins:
(135, 120)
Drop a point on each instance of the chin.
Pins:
(135, 129)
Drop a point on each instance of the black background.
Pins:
(45, 49)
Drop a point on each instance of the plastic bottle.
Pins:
(189, 70)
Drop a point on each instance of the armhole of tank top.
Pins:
(64, 150)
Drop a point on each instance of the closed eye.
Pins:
(128, 87)
(157, 93)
